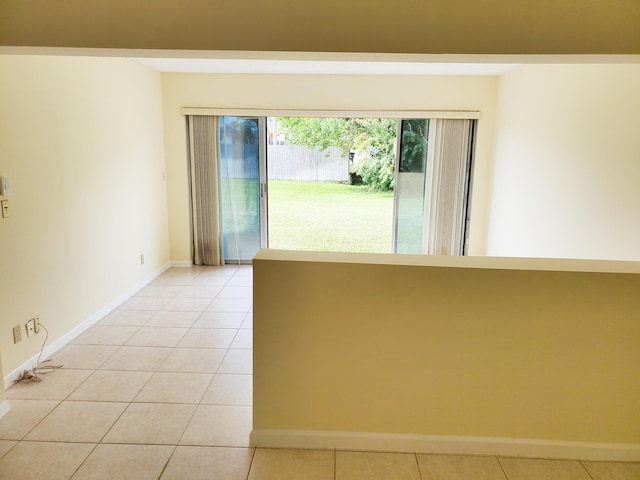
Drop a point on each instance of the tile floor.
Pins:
(161, 388)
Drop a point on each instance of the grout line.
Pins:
(504, 472)
(415, 455)
(175, 447)
(253, 456)
(586, 469)
(12, 447)
(186, 425)
(84, 461)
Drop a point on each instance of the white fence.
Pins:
(293, 162)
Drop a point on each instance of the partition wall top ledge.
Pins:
(492, 263)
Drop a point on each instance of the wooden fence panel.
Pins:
(293, 162)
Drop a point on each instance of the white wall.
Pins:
(82, 145)
(322, 92)
(567, 163)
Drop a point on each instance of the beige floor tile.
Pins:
(23, 416)
(239, 305)
(186, 304)
(111, 386)
(133, 318)
(124, 462)
(173, 319)
(240, 281)
(5, 446)
(174, 388)
(459, 467)
(166, 291)
(147, 359)
(200, 463)
(208, 338)
(275, 464)
(228, 291)
(613, 470)
(219, 426)
(243, 339)
(376, 466)
(537, 469)
(105, 335)
(85, 357)
(157, 337)
(206, 280)
(54, 386)
(230, 390)
(248, 321)
(226, 271)
(176, 276)
(144, 303)
(39, 461)
(77, 422)
(151, 423)
(200, 291)
(237, 361)
(193, 360)
(220, 320)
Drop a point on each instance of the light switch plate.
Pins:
(4, 186)
(4, 206)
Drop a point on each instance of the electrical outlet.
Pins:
(17, 335)
(37, 323)
(31, 327)
(142, 259)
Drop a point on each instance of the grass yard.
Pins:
(329, 217)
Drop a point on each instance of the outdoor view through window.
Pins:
(330, 183)
(378, 185)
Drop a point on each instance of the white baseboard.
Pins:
(4, 408)
(512, 447)
(181, 263)
(84, 325)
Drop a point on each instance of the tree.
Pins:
(372, 138)
(415, 134)
(376, 138)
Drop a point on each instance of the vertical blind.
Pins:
(448, 170)
(204, 152)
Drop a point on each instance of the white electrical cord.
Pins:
(35, 374)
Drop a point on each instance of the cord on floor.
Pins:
(39, 369)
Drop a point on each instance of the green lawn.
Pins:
(329, 217)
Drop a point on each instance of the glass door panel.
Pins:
(410, 186)
(240, 140)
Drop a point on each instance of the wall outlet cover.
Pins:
(17, 335)
(4, 186)
(31, 327)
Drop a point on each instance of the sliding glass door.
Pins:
(433, 175)
(241, 187)
(410, 188)
(228, 185)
